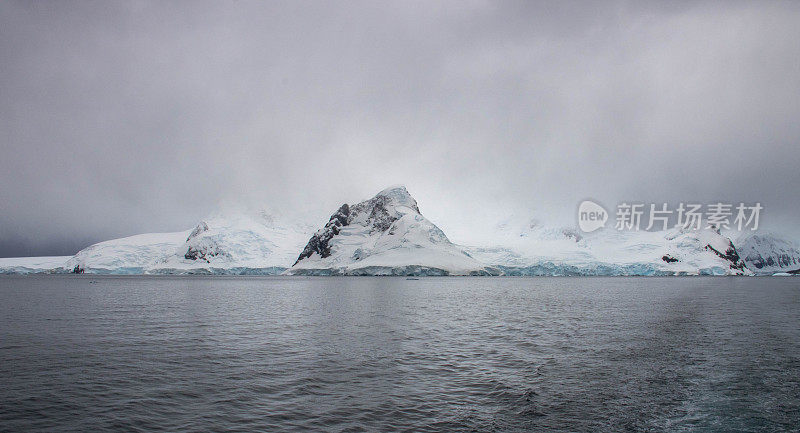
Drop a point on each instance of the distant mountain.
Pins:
(230, 243)
(529, 248)
(766, 253)
(385, 235)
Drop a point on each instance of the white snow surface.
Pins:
(529, 248)
(768, 253)
(32, 265)
(239, 243)
(232, 243)
(387, 235)
(129, 255)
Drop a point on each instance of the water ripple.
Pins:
(389, 354)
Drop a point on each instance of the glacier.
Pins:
(522, 247)
(387, 235)
(232, 243)
(128, 255)
(33, 265)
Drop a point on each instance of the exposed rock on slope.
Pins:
(385, 235)
(768, 253)
(531, 249)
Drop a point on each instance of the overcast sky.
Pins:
(118, 118)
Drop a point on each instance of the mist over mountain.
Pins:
(388, 235)
(120, 118)
(385, 235)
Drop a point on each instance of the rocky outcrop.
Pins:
(768, 253)
(199, 248)
(319, 241)
(384, 235)
(730, 255)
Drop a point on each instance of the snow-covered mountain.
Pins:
(766, 253)
(385, 235)
(230, 243)
(529, 248)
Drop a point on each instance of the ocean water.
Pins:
(86, 353)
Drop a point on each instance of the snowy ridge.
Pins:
(235, 243)
(532, 249)
(767, 253)
(385, 235)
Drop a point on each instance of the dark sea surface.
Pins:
(84, 353)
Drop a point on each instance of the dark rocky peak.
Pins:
(319, 240)
(730, 254)
(378, 213)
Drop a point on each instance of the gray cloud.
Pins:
(125, 117)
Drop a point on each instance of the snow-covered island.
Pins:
(388, 235)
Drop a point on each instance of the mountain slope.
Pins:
(236, 244)
(385, 235)
(230, 243)
(128, 255)
(768, 253)
(532, 249)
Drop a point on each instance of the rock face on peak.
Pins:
(385, 235)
